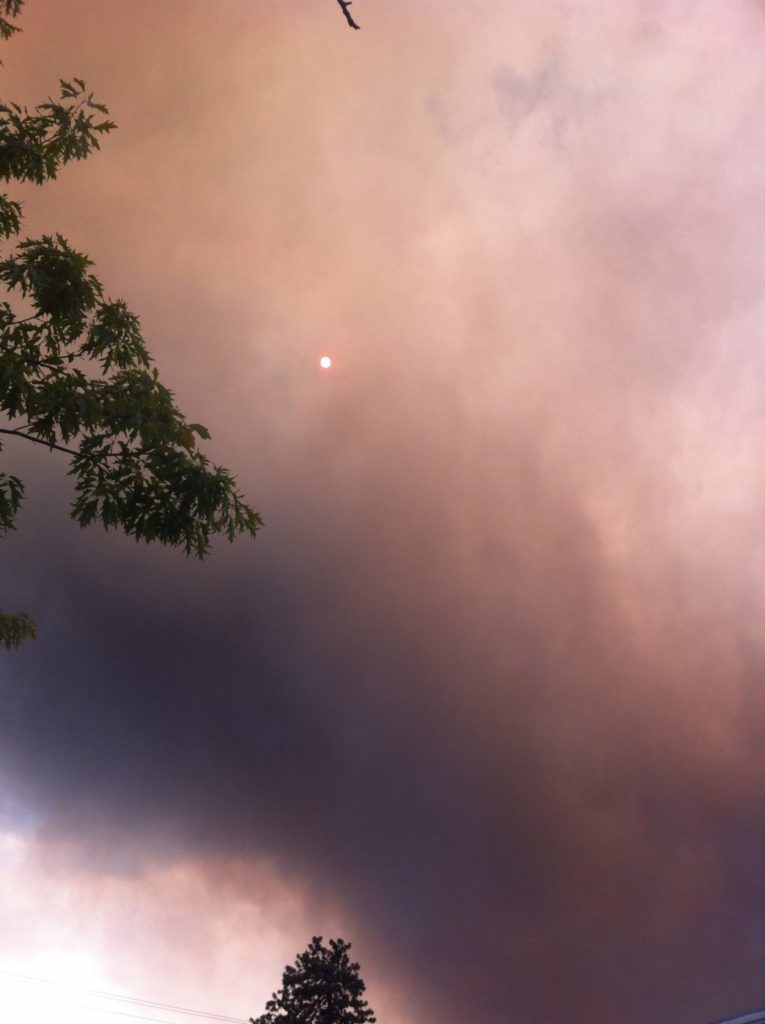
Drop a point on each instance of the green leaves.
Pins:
(10, 217)
(114, 337)
(77, 373)
(35, 144)
(15, 627)
(55, 279)
(163, 494)
(136, 463)
(76, 376)
(11, 493)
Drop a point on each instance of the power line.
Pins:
(149, 1004)
(117, 1013)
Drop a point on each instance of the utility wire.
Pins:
(117, 1013)
(146, 1003)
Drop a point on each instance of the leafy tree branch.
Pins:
(77, 373)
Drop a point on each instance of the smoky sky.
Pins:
(490, 680)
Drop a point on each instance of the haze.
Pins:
(486, 695)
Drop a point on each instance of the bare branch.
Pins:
(345, 4)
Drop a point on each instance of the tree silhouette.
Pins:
(75, 373)
(323, 987)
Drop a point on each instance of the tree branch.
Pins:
(38, 440)
(70, 451)
(345, 4)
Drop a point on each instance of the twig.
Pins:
(345, 4)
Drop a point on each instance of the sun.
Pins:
(325, 362)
